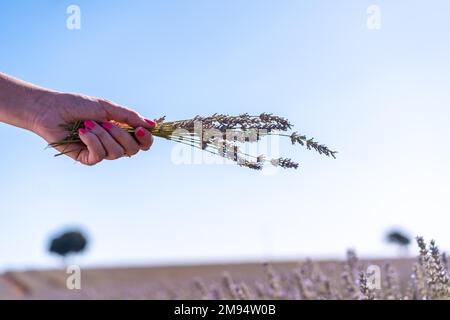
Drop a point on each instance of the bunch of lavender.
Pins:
(432, 266)
(222, 135)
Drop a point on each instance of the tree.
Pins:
(399, 238)
(67, 243)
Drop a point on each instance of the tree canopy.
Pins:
(70, 242)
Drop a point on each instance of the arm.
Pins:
(43, 111)
(18, 101)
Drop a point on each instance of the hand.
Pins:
(101, 138)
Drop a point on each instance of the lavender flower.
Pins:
(221, 135)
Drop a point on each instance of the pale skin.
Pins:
(43, 112)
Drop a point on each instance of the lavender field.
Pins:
(424, 277)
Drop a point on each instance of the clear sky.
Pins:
(380, 97)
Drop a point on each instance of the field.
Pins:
(424, 277)
(168, 282)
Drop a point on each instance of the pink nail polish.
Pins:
(107, 125)
(151, 122)
(89, 124)
(140, 132)
(81, 131)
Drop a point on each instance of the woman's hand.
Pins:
(45, 113)
(101, 138)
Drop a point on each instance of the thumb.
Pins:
(122, 114)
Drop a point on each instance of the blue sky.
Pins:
(380, 97)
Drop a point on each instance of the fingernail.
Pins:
(140, 132)
(81, 131)
(107, 125)
(89, 124)
(151, 122)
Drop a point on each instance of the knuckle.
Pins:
(116, 154)
(133, 151)
(112, 157)
(100, 156)
(89, 163)
(95, 162)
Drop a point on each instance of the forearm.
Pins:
(19, 101)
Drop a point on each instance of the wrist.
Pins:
(21, 102)
(37, 106)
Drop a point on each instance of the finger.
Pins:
(122, 114)
(113, 149)
(94, 152)
(129, 145)
(144, 137)
(71, 150)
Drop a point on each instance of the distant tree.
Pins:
(399, 238)
(69, 242)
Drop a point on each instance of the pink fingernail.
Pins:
(107, 125)
(89, 124)
(81, 131)
(151, 122)
(140, 132)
